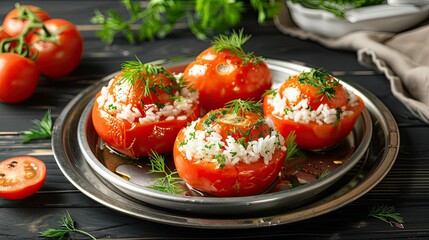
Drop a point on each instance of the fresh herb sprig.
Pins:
(67, 226)
(320, 79)
(234, 44)
(159, 17)
(292, 147)
(338, 7)
(387, 214)
(168, 183)
(41, 129)
(134, 70)
(241, 107)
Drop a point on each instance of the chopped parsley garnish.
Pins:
(338, 114)
(221, 160)
(286, 110)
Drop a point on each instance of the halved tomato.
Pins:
(21, 177)
(227, 154)
(316, 107)
(145, 114)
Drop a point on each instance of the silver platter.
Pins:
(73, 146)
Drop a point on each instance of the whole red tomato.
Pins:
(17, 19)
(60, 53)
(316, 107)
(21, 177)
(136, 118)
(223, 73)
(19, 77)
(227, 154)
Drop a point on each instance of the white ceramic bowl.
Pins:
(391, 17)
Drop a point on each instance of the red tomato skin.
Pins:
(313, 136)
(241, 179)
(14, 26)
(19, 77)
(230, 181)
(57, 59)
(136, 139)
(239, 82)
(315, 99)
(30, 186)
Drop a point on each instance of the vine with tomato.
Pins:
(34, 44)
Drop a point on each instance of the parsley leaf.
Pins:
(42, 128)
(159, 17)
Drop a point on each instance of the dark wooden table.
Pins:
(406, 186)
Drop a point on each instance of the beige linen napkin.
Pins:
(402, 57)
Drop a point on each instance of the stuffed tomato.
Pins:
(225, 72)
(230, 152)
(142, 109)
(316, 107)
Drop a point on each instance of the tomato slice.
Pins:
(21, 177)
(319, 120)
(214, 167)
(222, 77)
(136, 119)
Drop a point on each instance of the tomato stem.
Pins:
(22, 47)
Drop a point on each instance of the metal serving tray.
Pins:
(372, 156)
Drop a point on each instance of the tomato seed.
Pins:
(30, 170)
(12, 164)
(7, 182)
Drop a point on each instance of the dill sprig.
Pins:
(272, 92)
(67, 225)
(134, 70)
(387, 214)
(42, 128)
(168, 183)
(234, 44)
(324, 173)
(292, 148)
(320, 79)
(241, 107)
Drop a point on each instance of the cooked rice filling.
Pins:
(287, 106)
(209, 146)
(115, 105)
